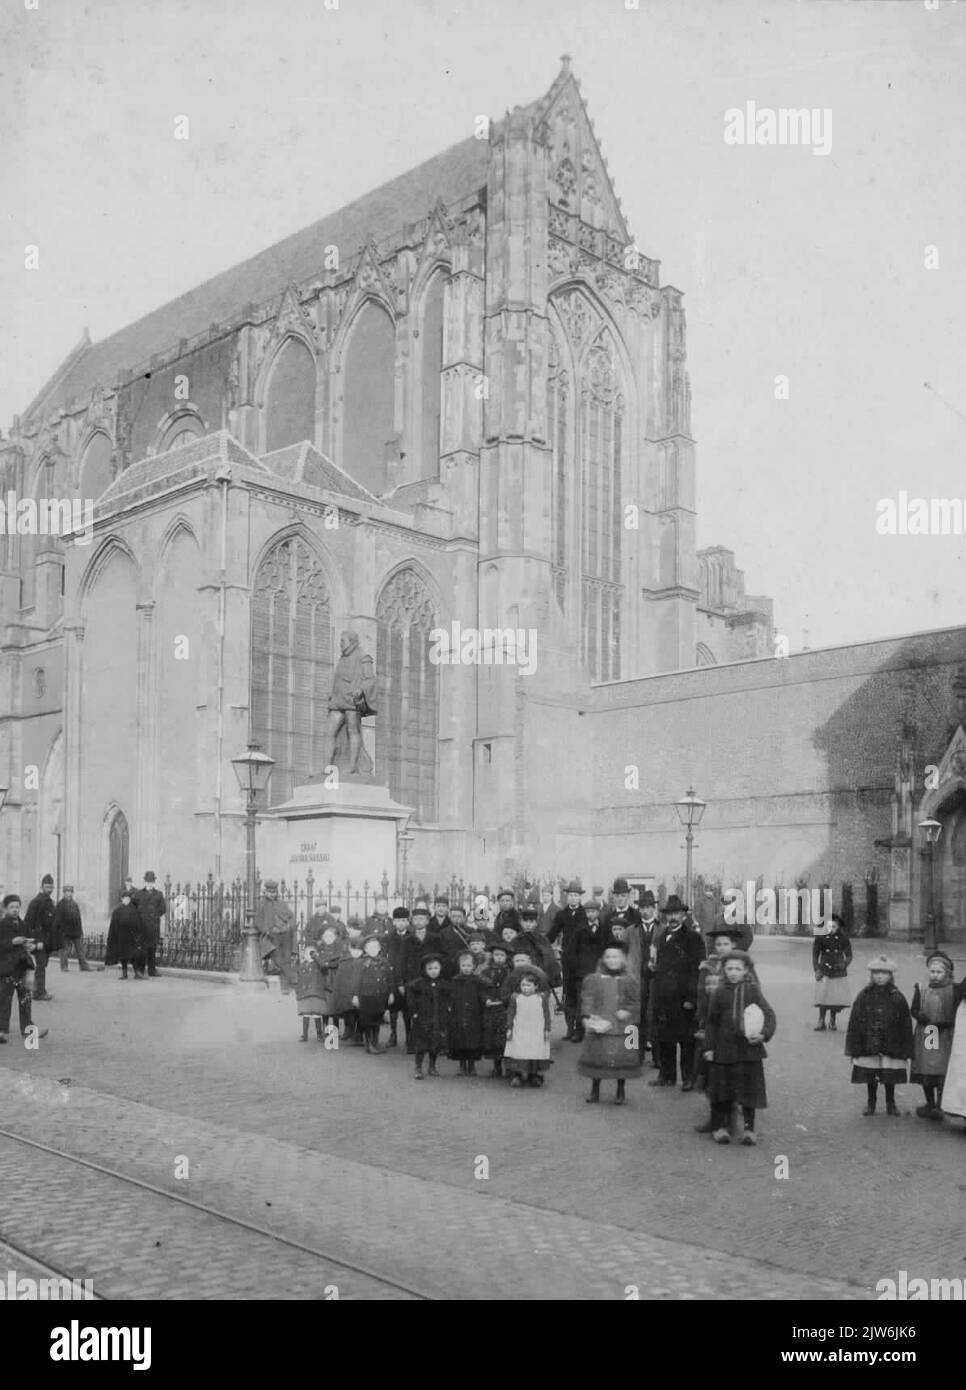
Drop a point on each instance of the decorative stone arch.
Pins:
(333, 579)
(175, 422)
(177, 525)
(98, 563)
(704, 656)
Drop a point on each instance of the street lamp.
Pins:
(690, 809)
(931, 829)
(253, 771)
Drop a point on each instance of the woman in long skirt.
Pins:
(831, 958)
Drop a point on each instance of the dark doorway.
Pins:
(117, 872)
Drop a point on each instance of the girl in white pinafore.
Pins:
(527, 1050)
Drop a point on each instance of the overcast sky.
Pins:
(792, 263)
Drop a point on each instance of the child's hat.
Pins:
(743, 956)
(399, 912)
(478, 936)
(528, 911)
(373, 936)
(882, 963)
(941, 955)
(431, 955)
(720, 929)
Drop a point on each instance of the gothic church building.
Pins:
(462, 398)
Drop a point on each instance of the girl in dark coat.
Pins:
(428, 997)
(610, 1003)
(734, 1039)
(831, 958)
(124, 938)
(374, 994)
(467, 993)
(345, 989)
(330, 950)
(879, 1038)
(493, 978)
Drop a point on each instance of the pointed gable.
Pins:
(579, 180)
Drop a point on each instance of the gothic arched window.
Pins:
(558, 397)
(369, 376)
(290, 400)
(431, 338)
(291, 663)
(181, 431)
(600, 443)
(408, 693)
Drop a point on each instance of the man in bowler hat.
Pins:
(677, 954)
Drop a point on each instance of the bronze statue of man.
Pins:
(353, 692)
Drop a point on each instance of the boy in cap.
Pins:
(507, 914)
(40, 924)
(396, 947)
(69, 929)
(440, 917)
(15, 962)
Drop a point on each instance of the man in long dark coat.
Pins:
(452, 940)
(276, 928)
(537, 944)
(151, 907)
(570, 920)
(678, 952)
(40, 924)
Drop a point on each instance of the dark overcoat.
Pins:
(493, 979)
(375, 987)
(832, 954)
(429, 1013)
(151, 908)
(345, 986)
(674, 984)
(880, 1024)
(40, 922)
(415, 951)
(395, 948)
(467, 993)
(69, 926)
(124, 942)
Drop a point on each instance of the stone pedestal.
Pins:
(347, 833)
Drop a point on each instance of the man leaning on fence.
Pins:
(276, 929)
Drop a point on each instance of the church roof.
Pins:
(178, 465)
(304, 463)
(448, 177)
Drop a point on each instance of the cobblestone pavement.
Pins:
(360, 1162)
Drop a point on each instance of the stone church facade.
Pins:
(462, 398)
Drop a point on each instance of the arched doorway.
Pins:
(118, 843)
(950, 868)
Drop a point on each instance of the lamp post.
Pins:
(690, 809)
(931, 829)
(253, 771)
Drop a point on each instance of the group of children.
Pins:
(479, 992)
(485, 999)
